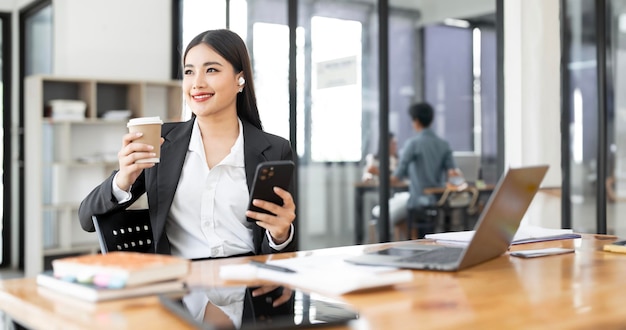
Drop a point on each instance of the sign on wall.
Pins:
(337, 72)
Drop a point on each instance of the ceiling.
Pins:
(435, 11)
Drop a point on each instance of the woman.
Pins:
(198, 193)
(397, 202)
(371, 171)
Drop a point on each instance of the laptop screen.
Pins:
(261, 307)
(503, 213)
(468, 163)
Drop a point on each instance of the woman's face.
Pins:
(210, 84)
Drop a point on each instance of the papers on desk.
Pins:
(525, 234)
(327, 274)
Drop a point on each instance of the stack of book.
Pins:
(72, 110)
(117, 115)
(116, 275)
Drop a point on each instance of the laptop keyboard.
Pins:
(439, 256)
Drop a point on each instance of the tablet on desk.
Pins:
(237, 308)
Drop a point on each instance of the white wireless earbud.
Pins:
(241, 81)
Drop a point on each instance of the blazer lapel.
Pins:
(173, 152)
(254, 147)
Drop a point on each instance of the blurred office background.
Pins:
(514, 82)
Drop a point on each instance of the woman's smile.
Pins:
(201, 97)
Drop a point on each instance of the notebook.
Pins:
(494, 230)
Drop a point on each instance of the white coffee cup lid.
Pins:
(144, 121)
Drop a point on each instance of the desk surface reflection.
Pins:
(257, 307)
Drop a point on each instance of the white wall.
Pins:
(106, 39)
(13, 5)
(113, 39)
(532, 85)
(532, 94)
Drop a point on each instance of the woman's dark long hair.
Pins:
(232, 48)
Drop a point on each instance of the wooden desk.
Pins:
(438, 191)
(360, 188)
(582, 290)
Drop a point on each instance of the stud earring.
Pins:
(240, 89)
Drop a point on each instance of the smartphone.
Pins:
(269, 175)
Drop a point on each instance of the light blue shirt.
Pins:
(425, 159)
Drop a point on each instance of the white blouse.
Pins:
(207, 217)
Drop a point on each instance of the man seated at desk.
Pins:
(426, 159)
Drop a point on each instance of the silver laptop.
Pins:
(493, 234)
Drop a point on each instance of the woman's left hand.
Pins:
(279, 224)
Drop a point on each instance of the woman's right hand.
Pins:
(127, 157)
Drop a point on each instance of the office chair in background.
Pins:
(126, 230)
(462, 200)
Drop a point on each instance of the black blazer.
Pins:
(160, 181)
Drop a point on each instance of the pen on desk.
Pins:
(271, 267)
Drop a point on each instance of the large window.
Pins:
(594, 75)
(459, 81)
(201, 15)
(336, 90)
(448, 83)
(271, 76)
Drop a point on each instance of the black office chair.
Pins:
(422, 221)
(127, 230)
(463, 199)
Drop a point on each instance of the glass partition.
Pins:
(338, 111)
(5, 124)
(582, 39)
(616, 126)
(38, 41)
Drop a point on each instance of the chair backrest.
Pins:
(127, 230)
(459, 197)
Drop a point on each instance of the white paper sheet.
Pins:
(525, 234)
(323, 274)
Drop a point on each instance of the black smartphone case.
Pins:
(267, 176)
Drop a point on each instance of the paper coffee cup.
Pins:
(151, 129)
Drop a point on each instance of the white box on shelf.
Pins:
(67, 109)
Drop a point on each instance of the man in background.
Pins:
(426, 159)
